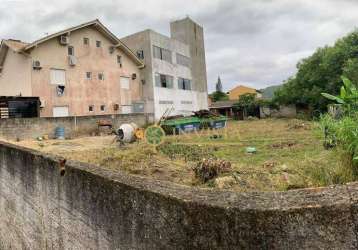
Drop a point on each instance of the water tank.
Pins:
(60, 133)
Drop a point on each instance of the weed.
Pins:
(186, 152)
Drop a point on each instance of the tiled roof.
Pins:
(223, 104)
(17, 45)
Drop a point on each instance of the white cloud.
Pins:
(254, 42)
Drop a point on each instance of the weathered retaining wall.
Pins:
(26, 128)
(91, 208)
(288, 111)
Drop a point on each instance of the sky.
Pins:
(255, 43)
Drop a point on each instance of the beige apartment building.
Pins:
(83, 70)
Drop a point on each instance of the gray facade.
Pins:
(192, 34)
(185, 89)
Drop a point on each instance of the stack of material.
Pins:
(4, 112)
(104, 127)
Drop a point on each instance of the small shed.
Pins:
(19, 107)
(226, 108)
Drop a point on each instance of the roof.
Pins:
(223, 104)
(187, 18)
(24, 47)
(243, 87)
(15, 45)
(17, 98)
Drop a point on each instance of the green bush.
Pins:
(343, 132)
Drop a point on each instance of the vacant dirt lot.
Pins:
(289, 154)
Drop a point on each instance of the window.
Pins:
(157, 52)
(162, 54)
(124, 82)
(184, 84)
(126, 94)
(119, 60)
(91, 108)
(183, 60)
(98, 44)
(86, 41)
(88, 75)
(60, 111)
(71, 51)
(100, 76)
(167, 55)
(163, 81)
(140, 54)
(58, 76)
(103, 107)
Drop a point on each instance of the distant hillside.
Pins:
(269, 92)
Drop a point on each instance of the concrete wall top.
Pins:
(309, 198)
(93, 208)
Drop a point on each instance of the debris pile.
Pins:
(208, 169)
(104, 127)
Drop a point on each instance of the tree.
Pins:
(247, 103)
(219, 95)
(348, 96)
(219, 86)
(321, 72)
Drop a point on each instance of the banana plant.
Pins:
(348, 95)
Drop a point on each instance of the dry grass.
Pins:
(289, 155)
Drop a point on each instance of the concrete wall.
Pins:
(288, 111)
(15, 78)
(29, 128)
(92, 208)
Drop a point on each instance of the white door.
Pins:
(60, 111)
(125, 91)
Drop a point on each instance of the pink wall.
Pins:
(80, 93)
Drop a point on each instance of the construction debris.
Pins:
(208, 169)
(104, 127)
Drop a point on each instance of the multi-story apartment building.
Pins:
(174, 76)
(84, 70)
